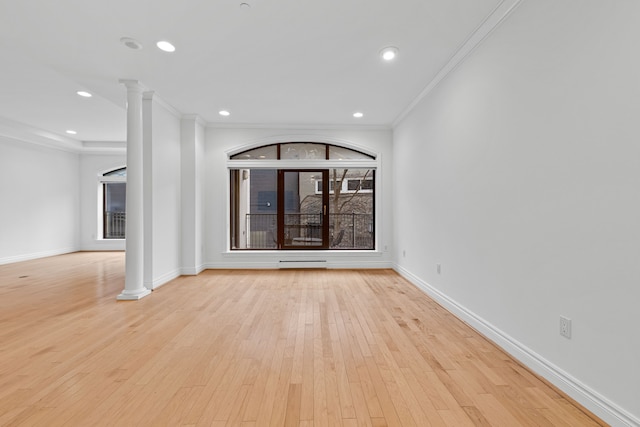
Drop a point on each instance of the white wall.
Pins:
(519, 175)
(220, 140)
(39, 201)
(93, 166)
(165, 196)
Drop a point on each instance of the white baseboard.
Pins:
(320, 263)
(245, 265)
(269, 265)
(373, 265)
(589, 398)
(252, 263)
(104, 245)
(192, 271)
(36, 255)
(163, 279)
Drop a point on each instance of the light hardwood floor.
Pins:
(250, 348)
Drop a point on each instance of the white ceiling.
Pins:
(279, 62)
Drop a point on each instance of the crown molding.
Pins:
(104, 147)
(24, 133)
(309, 127)
(477, 36)
(104, 144)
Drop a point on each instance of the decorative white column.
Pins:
(134, 288)
(147, 183)
(191, 154)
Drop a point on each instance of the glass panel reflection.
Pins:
(268, 152)
(340, 153)
(303, 151)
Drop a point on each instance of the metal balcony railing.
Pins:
(114, 225)
(346, 231)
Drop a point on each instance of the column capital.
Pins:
(132, 85)
(193, 118)
(148, 95)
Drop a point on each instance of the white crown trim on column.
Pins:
(196, 118)
(151, 95)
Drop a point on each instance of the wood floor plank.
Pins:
(387, 406)
(294, 399)
(342, 379)
(304, 348)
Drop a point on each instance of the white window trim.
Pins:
(100, 202)
(373, 164)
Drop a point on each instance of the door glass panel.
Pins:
(303, 209)
(351, 222)
(254, 208)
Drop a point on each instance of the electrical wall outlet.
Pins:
(565, 327)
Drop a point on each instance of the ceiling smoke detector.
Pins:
(131, 43)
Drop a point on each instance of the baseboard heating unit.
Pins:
(303, 264)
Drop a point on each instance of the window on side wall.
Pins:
(113, 187)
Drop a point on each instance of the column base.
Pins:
(133, 295)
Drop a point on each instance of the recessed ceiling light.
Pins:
(165, 46)
(245, 6)
(389, 53)
(358, 115)
(224, 113)
(84, 94)
(131, 43)
(71, 132)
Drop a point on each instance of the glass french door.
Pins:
(302, 209)
(273, 209)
